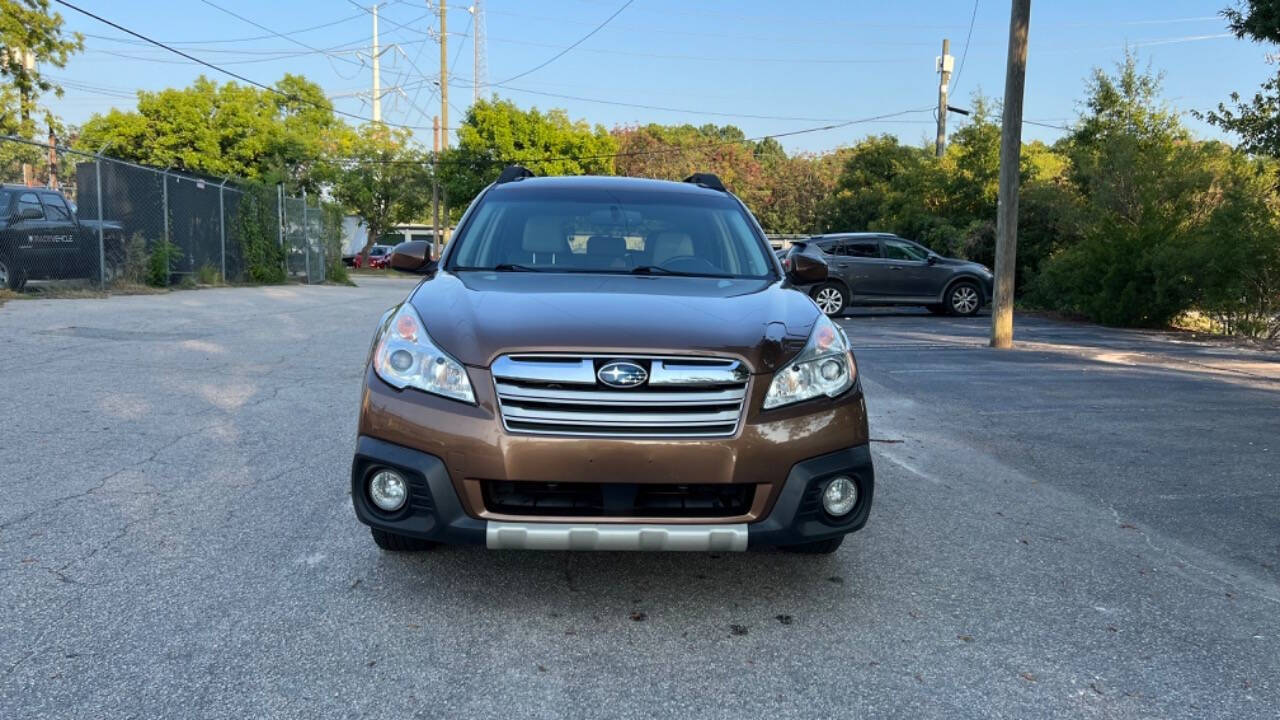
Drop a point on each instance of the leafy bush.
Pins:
(331, 235)
(208, 275)
(136, 261)
(256, 233)
(160, 263)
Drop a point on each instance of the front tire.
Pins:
(831, 298)
(819, 547)
(964, 299)
(10, 276)
(399, 543)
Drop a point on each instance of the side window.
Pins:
(832, 247)
(898, 250)
(863, 249)
(29, 200)
(55, 208)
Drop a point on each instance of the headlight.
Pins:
(824, 367)
(406, 357)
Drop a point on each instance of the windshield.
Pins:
(599, 231)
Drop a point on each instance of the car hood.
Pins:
(476, 316)
(962, 264)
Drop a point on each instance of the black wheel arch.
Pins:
(970, 278)
(832, 280)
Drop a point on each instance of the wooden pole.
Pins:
(1010, 156)
(944, 71)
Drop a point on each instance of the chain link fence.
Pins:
(71, 215)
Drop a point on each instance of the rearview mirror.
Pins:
(806, 268)
(413, 256)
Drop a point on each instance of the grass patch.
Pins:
(208, 275)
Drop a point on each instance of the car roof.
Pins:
(603, 182)
(854, 236)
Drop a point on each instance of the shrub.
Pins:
(136, 261)
(208, 275)
(255, 230)
(160, 263)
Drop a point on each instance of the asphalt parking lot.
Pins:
(1087, 526)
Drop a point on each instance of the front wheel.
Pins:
(10, 277)
(830, 298)
(963, 299)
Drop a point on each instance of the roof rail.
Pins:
(706, 180)
(512, 173)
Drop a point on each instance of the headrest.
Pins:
(606, 245)
(671, 244)
(544, 235)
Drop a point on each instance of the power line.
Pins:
(642, 106)
(295, 41)
(241, 39)
(964, 54)
(565, 51)
(223, 70)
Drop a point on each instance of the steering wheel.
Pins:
(690, 263)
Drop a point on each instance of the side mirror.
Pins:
(806, 269)
(932, 259)
(30, 213)
(413, 256)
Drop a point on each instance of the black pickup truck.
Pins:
(42, 239)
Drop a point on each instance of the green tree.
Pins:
(496, 133)
(1255, 120)
(885, 186)
(226, 130)
(1150, 196)
(382, 178)
(794, 190)
(30, 37)
(674, 152)
(1257, 19)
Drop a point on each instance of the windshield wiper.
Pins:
(514, 267)
(659, 270)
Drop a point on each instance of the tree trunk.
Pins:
(369, 242)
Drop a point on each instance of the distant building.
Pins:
(354, 234)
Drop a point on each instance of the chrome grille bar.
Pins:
(560, 395)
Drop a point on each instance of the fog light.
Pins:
(840, 496)
(388, 490)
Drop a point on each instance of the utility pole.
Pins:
(1010, 155)
(53, 159)
(444, 79)
(480, 68)
(377, 77)
(945, 63)
(435, 189)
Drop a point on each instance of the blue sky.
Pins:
(792, 65)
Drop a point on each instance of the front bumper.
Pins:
(435, 512)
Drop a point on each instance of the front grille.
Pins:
(561, 395)
(705, 500)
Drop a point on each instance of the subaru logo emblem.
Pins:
(622, 374)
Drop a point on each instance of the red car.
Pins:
(378, 257)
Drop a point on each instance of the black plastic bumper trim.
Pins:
(793, 521)
(442, 520)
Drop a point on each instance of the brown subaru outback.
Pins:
(602, 363)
